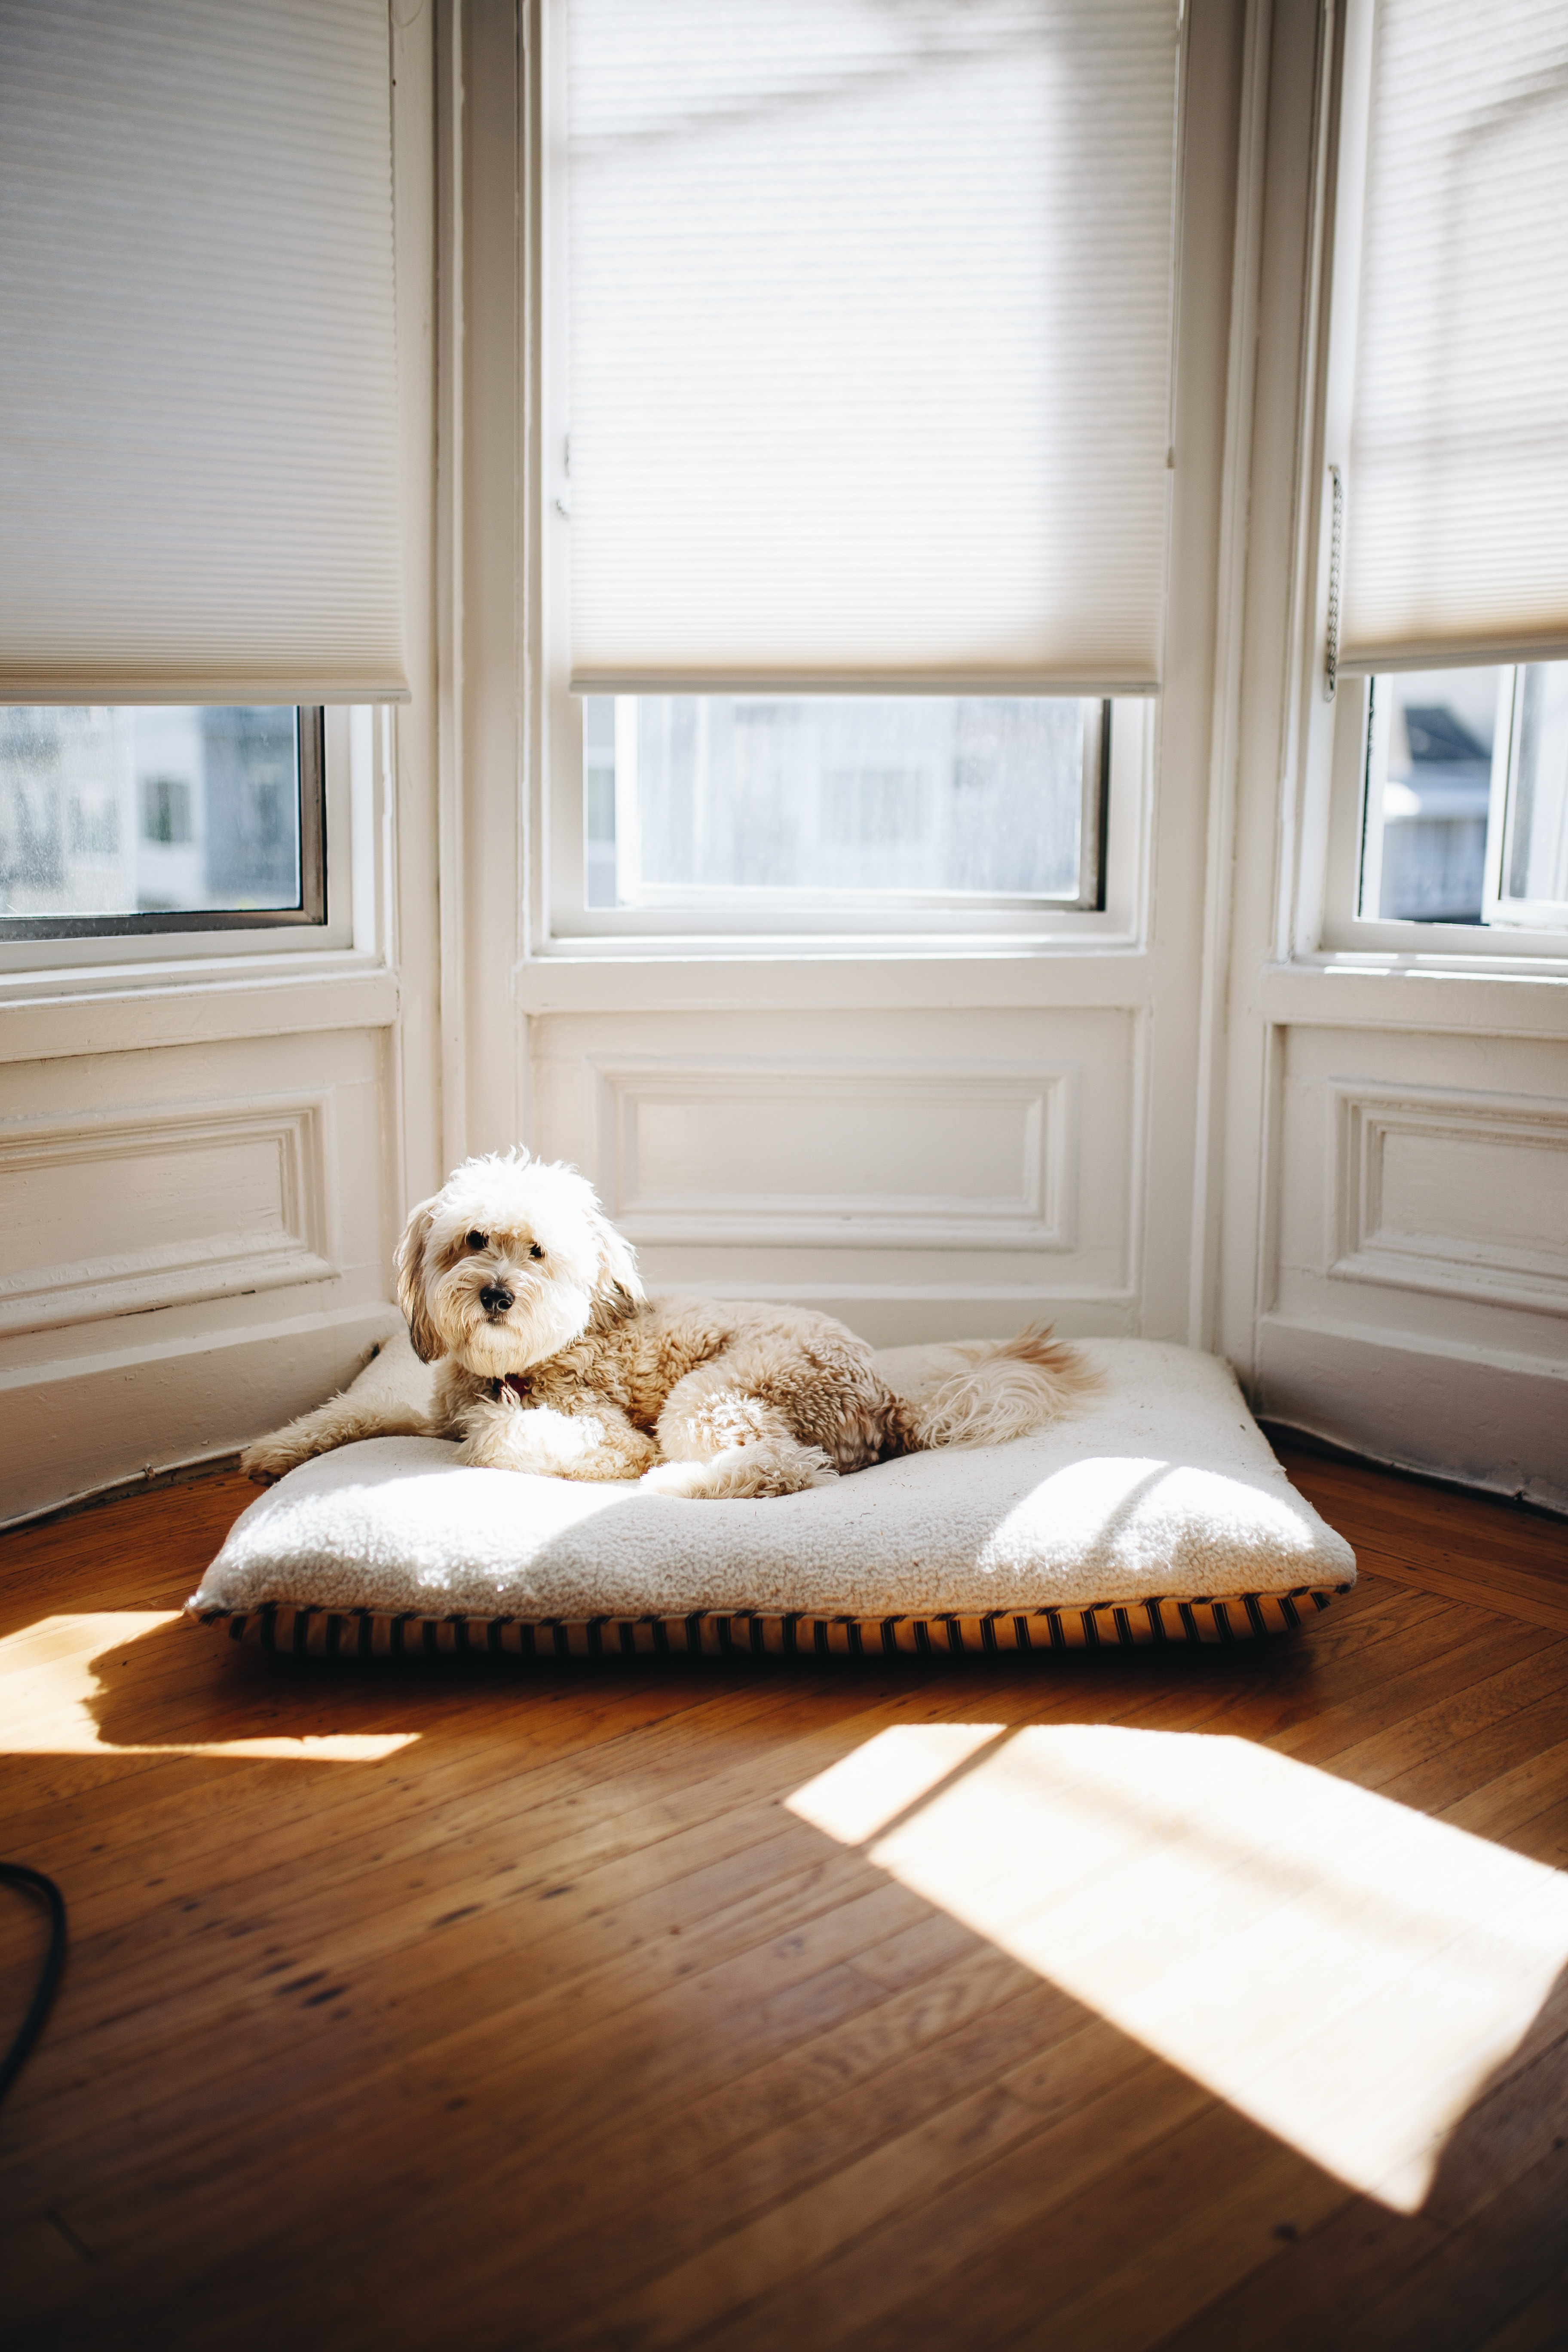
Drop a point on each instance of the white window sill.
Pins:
(790, 974)
(100, 1008)
(1516, 997)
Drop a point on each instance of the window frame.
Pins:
(1326, 921)
(1344, 925)
(310, 741)
(1114, 868)
(195, 937)
(1114, 791)
(1507, 912)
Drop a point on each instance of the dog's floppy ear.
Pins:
(409, 1263)
(618, 1284)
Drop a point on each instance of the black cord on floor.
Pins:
(16, 1873)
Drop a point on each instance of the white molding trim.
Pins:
(1401, 992)
(81, 1424)
(1486, 1417)
(1230, 627)
(410, 840)
(771, 977)
(303, 1247)
(199, 1009)
(377, 1319)
(1360, 1247)
(1042, 1215)
(163, 1354)
(902, 1314)
(449, 552)
(920, 1294)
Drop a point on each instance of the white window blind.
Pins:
(869, 325)
(198, 477)
(1456, 490)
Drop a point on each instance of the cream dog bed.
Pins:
(1156, 1512)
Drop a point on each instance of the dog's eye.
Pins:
(477, 1240)
(534, 1250)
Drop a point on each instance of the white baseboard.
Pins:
(75, 1428)
(1484, 1422)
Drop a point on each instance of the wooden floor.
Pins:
(468, 2004)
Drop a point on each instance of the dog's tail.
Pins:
(1005, 1389)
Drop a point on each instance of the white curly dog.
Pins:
(551, 1358)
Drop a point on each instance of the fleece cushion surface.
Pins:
(1129, 1519)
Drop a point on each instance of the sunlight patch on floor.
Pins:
(1343, 1969)
(56, 1677)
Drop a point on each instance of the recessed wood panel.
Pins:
(1502, 1190)
(1450, 1192)
(873, 1156)
(113, 1215)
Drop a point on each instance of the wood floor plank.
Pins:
(355, 1893)
(462, 1989)
(557, 2026)
(502, 1849)
(1477, 1649)
(1437, 1734)
(919, 2046)
(491, 1795)
(1539, 2326)
(1535, 1601)
(1038, 2223)
(821, 2266)
(1179, 2268)
(1473, 1547)
(1522, 2238)
(1497, 1808)
(1323, 2282)
(1544, 1836)
(155, 1546)
(1487, 1755)
(655, 2188)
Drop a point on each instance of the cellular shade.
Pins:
(869, 325)
(1457, 492)
(198, 474)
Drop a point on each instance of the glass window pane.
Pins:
(1536, 867)
(1429, 765)
(148, 811)
(914, 794)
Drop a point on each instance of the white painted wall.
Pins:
(1393, 1209)
(1348, 1176)
(960, 1139)
(204, 1160)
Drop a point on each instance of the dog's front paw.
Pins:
(538, 1439)
(683, 1479)
(745, 1473)
(268, 1460)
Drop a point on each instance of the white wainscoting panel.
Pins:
(1417, 1304)
(105, 1214)
(1465, 1194)
(919, 1172)
(195, 1244)
(698, 1150)
(1423, 1188)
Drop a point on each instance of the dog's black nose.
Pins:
(494, 1299)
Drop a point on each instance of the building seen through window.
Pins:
(1467, 796)
(1432, 736)
(148, 811)
(915, 794)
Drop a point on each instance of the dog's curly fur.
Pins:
(551, 1359)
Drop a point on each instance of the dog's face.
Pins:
(509, 1263)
